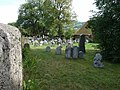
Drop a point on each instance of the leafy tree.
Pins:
(43, 17)
(30, 16)
(69, 33)
(13, 24)
(106, 28)
(23, 31)
(62, 14)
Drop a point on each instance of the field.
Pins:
(47, 71)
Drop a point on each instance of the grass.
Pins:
(47, 71)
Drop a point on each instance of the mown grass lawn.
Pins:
(47, 71)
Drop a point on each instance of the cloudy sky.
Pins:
(9, 9)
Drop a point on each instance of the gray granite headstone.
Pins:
(58, 50)
(75, 52)
(48, 49)
(97, 60)
(68, 52)
(10, 58)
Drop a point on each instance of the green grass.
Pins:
(47, 71)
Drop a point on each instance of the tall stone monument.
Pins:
(82, 43)
(10, 58)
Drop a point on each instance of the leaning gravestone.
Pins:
(97, 60)
(10, 58)
(82, 43)
(75, 52)
(58, 50)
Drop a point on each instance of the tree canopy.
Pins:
(106, 28)
(45, 17)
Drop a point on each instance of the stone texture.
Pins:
(58, 50)
(75, 52)
(68, 52)
(10, 58)
(97, 60)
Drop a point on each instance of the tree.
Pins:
(43, 17)
(106, 28)
(69, 33)
(63, 15)
(23, 31)
(30, 16)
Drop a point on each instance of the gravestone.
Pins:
(36, 43)
(48, 49)
(58, 50)
(68, 52)
(59, 41)
(10, 58)
(26, 45)
(75, 52)
(52, 42)
(82, 43)
(97, 60)
(41, 43)
(81, 54)
(45, 42)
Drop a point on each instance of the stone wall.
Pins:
(10, 58)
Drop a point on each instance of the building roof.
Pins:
(84, 30)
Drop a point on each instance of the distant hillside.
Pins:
(78, 25)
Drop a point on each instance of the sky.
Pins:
(9, 9)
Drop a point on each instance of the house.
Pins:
(85, 31)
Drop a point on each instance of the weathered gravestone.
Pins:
(58, 50)
(82, 43)
(75, 52)
(97, 60)
(10, 58)
(68, 52)
(48, 49)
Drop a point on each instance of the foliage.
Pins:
(29, 85)
(29, 65)
(106, 28)
(45, 17)
(78, 25)
(13, 24)
(22, 30)
(69, 33)
(54, 72)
